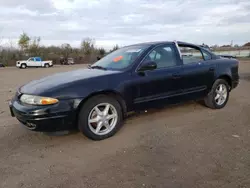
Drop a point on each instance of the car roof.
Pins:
(155, 43)
(161, 42)
(150, 43)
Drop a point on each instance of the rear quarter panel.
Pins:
(44, 62)
(227, 67)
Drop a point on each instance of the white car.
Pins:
(34, 62)
(71, 61)
(68, 61)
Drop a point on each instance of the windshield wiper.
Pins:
(97, 67)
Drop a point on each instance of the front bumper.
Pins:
(58, 117)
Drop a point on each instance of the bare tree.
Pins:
(34, 46)
(101, 51)
(23, 42)
(116, 47)
(66, 50)
(87, 46)
(11, 44)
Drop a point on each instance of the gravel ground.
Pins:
(186, 145)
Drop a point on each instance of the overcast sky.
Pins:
(126, 22)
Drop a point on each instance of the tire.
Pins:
(23, 66)
(211, 101)
(87, 110)
(46, 65)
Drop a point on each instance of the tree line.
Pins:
(87, 52)
(31, 46)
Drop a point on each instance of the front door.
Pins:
(31, 62)
(159, 86)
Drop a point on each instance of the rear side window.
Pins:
(190, 55)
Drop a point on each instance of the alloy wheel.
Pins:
(102, 119)
(221, 94)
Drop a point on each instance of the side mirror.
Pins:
(148, 65)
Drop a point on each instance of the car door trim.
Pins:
(169, 94)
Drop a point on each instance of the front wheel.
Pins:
(23, 66)
(219, 95)
(46, 65)
(100, 117)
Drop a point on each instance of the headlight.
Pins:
(37, 100)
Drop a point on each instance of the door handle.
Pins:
(211, 69)
(176, 76)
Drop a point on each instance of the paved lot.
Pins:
(181, 146)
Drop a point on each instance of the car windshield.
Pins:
(120, 58)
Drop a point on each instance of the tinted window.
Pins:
(152, 54)
(206, 55)
(191, 55)
(164, 56)
(121, 58)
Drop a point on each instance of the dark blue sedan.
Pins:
(95, 100)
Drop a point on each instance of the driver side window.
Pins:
(163, 56)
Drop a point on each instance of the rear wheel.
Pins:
(100, 117)
(219, 95)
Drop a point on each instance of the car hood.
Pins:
(61, 80)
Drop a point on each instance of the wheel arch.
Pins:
(111, 93)
(24, 63)
(226, 78)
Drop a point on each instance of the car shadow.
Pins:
(245, 76)
(133, 120)
(181, 107)
(184, 107)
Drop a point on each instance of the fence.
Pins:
(237, 53)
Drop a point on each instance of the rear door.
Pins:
(198, 71)
(38, 62)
